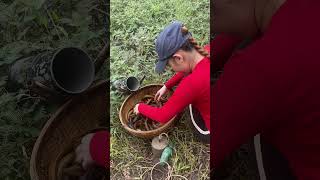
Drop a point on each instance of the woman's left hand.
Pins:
(136, 109)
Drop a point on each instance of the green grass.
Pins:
(28, 27)
(134, 27)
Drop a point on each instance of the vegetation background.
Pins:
(134, 27)
(28, 27)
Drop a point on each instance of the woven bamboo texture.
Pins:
(64, 129)
(135, 98)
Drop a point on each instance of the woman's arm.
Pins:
(174, 80)
(183, 95)
(244, 101)
(99, 148)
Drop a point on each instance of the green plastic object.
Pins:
(166, 154)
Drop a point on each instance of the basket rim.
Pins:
(48, 125)
(37, 144)
(143, 133)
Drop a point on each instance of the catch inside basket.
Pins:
(84, 113)
(135, 98)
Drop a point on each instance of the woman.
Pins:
(177, 48)
(94, 150)
(272, 86)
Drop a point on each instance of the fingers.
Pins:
(164, 89)
(82, 152)
(156, 96)
(85, 164)
(136, 109)
(79, 158)
(82, 158)
(158, 99)
(160, 95)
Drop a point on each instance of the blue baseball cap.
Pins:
(169, 41)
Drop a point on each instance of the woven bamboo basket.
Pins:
(135, 98)
(78, 116)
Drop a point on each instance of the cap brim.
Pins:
(160, 66)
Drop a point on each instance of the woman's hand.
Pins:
(136, 109)
(160, 93)
(83, 155)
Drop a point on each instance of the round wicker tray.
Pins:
(77, 117)
(135, 98)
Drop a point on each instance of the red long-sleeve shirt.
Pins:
(223, 47)
(272, 87)
(100, 148)
(179, 76)
(193, 89)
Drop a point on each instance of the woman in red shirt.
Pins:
(177, 48)
(94, 150)
(272, 86)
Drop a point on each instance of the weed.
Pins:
(28, 27)
(134, 27)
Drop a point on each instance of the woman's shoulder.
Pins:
(200, 76)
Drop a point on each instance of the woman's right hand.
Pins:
(83, 155)
(160, 93)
